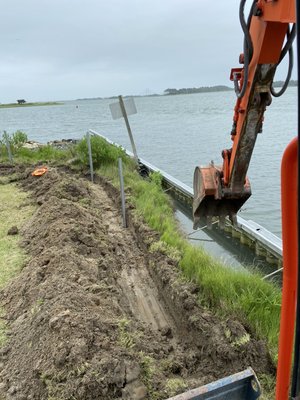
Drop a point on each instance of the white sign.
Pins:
(129, 105)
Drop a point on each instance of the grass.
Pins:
(175, 386)
(45, 153)
(13, 211)
(254, 301)
(268, 384)
(36, 104)
(148, 370)
(126, 339)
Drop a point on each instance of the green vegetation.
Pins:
(175, 386)
(102, 153)
(36, 104)
(14, 211)
(16, 140)
(19, 138)
(203, 89)
(126, 339)
(149, 368)
(268, 384)
(217, 88)
(43, 154)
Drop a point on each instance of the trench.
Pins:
(85, 276)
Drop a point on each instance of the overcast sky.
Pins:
(68, 49)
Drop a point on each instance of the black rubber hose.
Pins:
(248, 47)
(246, 27)
(288, 76)
(296, 370)
(287, 48)
(290, 39)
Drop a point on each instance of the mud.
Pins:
(95, 315)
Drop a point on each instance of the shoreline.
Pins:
(35, 104)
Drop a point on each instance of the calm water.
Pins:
(176, 133)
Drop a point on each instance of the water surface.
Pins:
(176, 133)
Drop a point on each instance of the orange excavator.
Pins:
(220, 191)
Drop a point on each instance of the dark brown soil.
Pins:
(95, 315)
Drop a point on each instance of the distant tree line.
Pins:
(202, 89)
(218, 88)
(280, 83)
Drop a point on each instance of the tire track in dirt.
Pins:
(143, 298)
(135, 282)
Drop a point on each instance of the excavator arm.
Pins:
(220, 191)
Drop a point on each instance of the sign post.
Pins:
(123, 109)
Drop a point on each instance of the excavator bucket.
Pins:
(212, 199)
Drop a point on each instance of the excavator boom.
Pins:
(220, 191)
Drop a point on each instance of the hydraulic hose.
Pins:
(290, 38)
(288, 76)
(248, 48)
(248, 53)
(287, 48)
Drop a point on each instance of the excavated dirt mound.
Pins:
(95, 315)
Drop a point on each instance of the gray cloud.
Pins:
(64, 49)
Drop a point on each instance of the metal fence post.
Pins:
(122, 192)
(88, 139)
